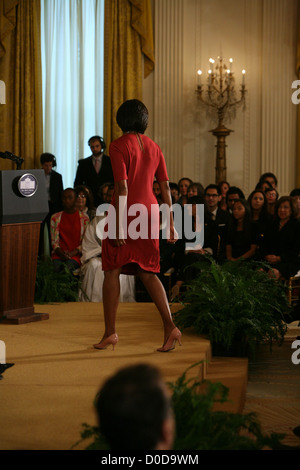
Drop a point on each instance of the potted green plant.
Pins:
(52, 286)
(236, 305)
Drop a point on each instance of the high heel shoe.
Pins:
(175, 336)
(110, 340)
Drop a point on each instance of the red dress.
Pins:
(139, 160)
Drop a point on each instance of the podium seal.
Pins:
(27, 185)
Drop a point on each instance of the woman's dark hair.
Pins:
(88, 195)
(247, 213)
(292, 203)
(132, 115)
(220, 184)
(264, 210)
(295, 192)
(185, 178)
(259, 185)
(198, 186)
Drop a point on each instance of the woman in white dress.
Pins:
(91, 273)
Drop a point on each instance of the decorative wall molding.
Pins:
(168, 82)
(278, 124)
(261, 36)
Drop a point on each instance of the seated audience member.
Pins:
(110, 193)
(91, 273)
(264, 185)
(188, 250)
(258, 205)
(223, 186)
(134, 410)
(168, 257)
(233, 194)
(195, 189)
(156, 189)
(167, 252)
(85, 201)
(67, 230)
(295, 194)
(242, 235)
(54, 189)
(259, 215)
(174, 188)
(272, 197)
(183, 185)
(221, 218)
(270, 178)
(281, 245)
(103, 190)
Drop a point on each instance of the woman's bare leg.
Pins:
(158, 294)
(111, 298)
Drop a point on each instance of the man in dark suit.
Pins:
(221, 218)
(95, 170)
(54, 188)
(54, 182)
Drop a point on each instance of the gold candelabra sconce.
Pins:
(220, 97)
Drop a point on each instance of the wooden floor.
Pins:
(273, 390)
(49, 392)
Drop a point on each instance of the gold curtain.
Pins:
(128, 37)
(141, 22)
(298, 106)
(21, 130)
(7, 21)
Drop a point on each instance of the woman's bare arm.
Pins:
(121, 192)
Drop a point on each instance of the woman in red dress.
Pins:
(67, 230)
(134, 247)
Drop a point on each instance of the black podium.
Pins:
(23, 207)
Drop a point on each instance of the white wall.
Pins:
(260, 35)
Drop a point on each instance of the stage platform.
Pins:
(49, 393)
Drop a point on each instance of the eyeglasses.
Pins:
(211, 195)
(81, 196)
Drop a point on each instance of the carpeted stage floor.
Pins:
(48, 394)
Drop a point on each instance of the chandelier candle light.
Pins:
(221, 102)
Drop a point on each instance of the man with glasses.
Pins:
(213, 196)
(232, 195)
(272, 197)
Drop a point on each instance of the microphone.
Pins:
(14, 158)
